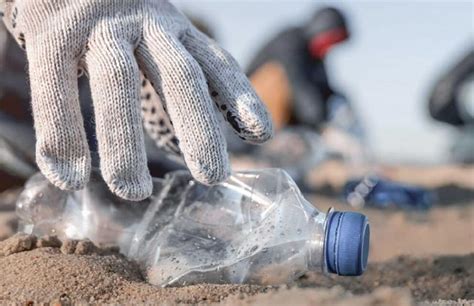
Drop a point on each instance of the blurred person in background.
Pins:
(452, 102)
(289, 72)
(290, 76)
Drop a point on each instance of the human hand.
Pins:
(112, 41)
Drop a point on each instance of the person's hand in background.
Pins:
(112, 41)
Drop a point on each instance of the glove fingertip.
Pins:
(209, 173)
(66, 174)
(131, 188)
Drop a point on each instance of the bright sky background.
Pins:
(397, 50)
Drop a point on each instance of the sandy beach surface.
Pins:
(415, 259)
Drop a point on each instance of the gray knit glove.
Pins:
(112, 40)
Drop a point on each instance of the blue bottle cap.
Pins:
(347, 243)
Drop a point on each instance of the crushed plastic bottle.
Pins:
(254, 228)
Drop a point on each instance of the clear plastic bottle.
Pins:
(254, 228)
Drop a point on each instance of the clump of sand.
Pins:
(23, 242)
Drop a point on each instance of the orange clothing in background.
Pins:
(273, 87)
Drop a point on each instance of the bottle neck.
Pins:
(315, 257)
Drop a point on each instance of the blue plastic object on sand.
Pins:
(378, 192)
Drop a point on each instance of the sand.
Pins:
(64, 272)
(47, 270)
(415, 259)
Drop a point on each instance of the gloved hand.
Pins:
(112, 40)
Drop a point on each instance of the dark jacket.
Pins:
(307, 75)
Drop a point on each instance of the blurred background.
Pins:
(397, 50)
